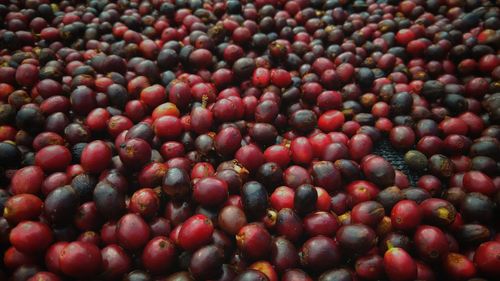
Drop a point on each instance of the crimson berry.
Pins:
(96, 157)
(22, 207)
(53, 158)
(132, 232)
(80, 259)
(486, 258)
(331, 120)
(250, 156)
(115, 262)
(399, 265)
(301, 151)
(158, 254)
(261, 77)
(406, 215)
(195, 232)
(144, 202)
(320, 253)
(27, 180)
(280, 77)
(31, 237)
(210, 191)
(254, 241)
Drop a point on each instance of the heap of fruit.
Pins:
(234, 140)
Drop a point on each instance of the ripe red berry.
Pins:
(96, 157)
(31, 237)
(80, 259)
(406, 215)
(195, 232)
(158, 255)
(132, 232)
(254, 241)
(399, 265)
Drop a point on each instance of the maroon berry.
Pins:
(53, 158)
(368, 213)
(402, 137)
(431, 243)
(227, 141)
(321, 223)
(254, 241)
(132, 232)
(206, 262)
(31, 237)
(210, 191)
(168, 127)
(459, 267)
(158, 255)
(52, 256)
(438, 212)
(320, 253)
(360, 145)
(134, 153)
(289, 225)
(250, 156)
(115, 262)
(22, 207)
(301, 151)
(278, 154)
(379, 171)
(475, 181)
(80, 259)
(144, 202)
(486, 258)
(370, 267)
(27, 75)
(231, 219)
(96, 157)
(356, 239)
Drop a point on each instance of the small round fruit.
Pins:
(406, 215)
(53, 158)
(31, 237)
(195, 232)
(459, 267)
(370, 267)
(22, 207)
(96, 157)
(320, 253)
(431, 243)
(399, 265)
(80, 259)
(231, 219)
(356, 239)
(27, 180)
(132, 232)
(210, 191)
(487, 258)
(158, 255)
(254, 241)
(134, 153)
(61, 205)
(206, 263)
(115, 262)
(144, 202)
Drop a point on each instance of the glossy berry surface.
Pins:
(163, 140)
